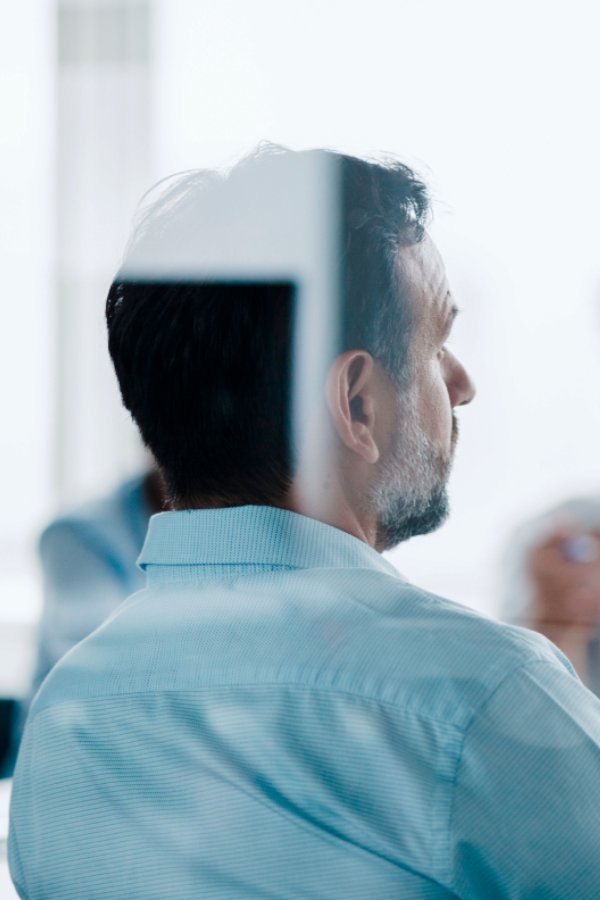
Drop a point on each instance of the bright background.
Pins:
(493, 103)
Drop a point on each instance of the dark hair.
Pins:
(205, 367)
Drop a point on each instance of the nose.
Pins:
(461, 388)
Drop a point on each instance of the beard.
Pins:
(411, 495)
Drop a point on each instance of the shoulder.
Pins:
(428, 654)
(343, 632)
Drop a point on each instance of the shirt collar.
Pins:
(253, 535)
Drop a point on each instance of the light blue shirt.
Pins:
(279, 715)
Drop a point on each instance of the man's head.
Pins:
(206, 368)
(411, 494)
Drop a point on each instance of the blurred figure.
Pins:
(88, 558)
(552, 581)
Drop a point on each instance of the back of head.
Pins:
(201, 334)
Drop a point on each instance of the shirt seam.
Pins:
(268, 566)
(388, 704)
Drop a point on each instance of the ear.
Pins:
(352, 401)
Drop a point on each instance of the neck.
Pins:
(327, 501)
(318, 492)
(153, 491)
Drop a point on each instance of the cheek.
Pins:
(436, 402)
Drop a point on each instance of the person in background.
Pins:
(89, 565)
(279, 714)
(551, 581)
(88, 559)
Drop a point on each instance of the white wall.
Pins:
(103, 164)
(75, 154)
(26, 300)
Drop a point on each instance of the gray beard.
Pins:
(404, 519)
(411, 496)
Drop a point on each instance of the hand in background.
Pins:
(565, 575)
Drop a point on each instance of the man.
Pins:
(279, 714)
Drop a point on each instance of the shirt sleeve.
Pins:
(526, 807)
